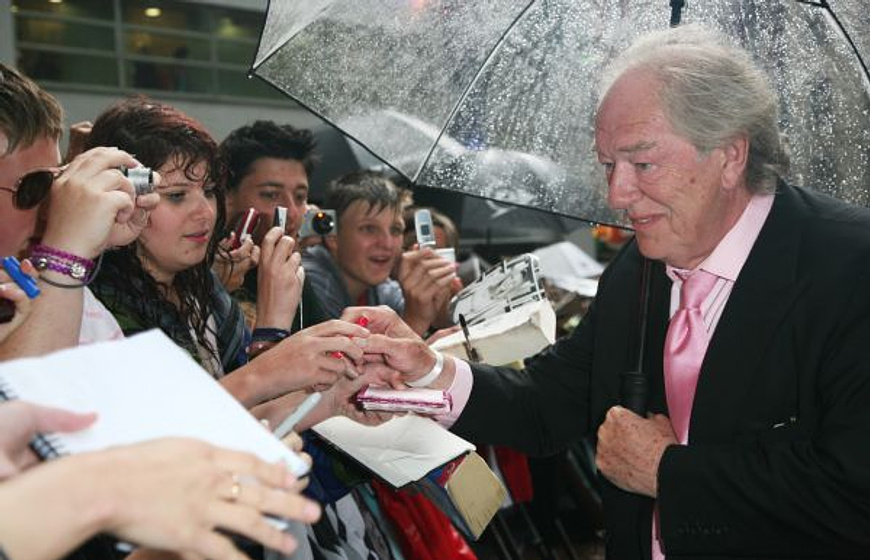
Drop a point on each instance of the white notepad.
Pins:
(400, 451)
(142, 388)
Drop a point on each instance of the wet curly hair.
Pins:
(156, 133)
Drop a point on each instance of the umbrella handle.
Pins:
(676, 11)
(634, 390)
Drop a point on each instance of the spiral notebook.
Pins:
(142, 388)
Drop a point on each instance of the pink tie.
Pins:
(685, 346)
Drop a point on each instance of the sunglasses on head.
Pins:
(33, 187)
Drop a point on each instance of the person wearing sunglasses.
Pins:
(72, 212)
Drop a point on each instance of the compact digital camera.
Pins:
(142, 178)
(318, 222)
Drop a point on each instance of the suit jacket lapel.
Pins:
(764, 291)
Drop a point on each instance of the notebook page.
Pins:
(143, 387)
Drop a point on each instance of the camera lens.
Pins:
(322, 223)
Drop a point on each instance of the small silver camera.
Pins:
(318, 222)
(141, 177)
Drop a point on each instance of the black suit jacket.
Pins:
(778, 460)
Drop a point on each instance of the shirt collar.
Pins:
(729, 256)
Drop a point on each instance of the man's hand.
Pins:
(380, 320)
(630, 449)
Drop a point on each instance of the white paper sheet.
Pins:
(144, 387)
(401, 450)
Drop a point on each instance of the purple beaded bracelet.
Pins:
(78, 268)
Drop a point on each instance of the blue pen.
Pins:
(25, 282)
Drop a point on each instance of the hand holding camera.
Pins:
(92, 204)
(279, 281)
(237, 252)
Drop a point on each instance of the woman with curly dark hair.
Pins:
(164, 279)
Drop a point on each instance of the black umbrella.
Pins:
(495, 97)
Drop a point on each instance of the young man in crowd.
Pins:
(353, 267)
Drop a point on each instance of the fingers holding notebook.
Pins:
(21, 420)
(167, 494)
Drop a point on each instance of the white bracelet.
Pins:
(433, 374)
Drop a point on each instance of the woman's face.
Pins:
(181, 225)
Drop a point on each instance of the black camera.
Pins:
(318, 222)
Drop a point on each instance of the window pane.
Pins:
(67, 34)
(173, 15)
(73, 68)
(146, 43)
(99, 9)
(236, 82)
(235, 52)
(170, 77)
(238, 24)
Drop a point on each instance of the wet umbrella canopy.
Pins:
(496, 98)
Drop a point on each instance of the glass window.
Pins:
(235, 52)
(64, 33)
(96, 9)
(147, 43)
(71, 68)
(143, 74)
(238, 24)
(181, 46)
(172, 15)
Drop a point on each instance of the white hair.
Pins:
(711, 92)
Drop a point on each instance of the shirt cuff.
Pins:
(459, 391)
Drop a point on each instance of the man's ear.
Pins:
(736, 157)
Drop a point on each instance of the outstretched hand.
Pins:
(394, 353)
(310, 359)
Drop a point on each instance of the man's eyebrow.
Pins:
(271, 183)
(638, 147)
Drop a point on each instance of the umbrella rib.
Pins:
(827, 7)
(455, 108)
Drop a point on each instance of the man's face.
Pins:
(18, 226)
(272, 182)
(367, 244)
(679, 202)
